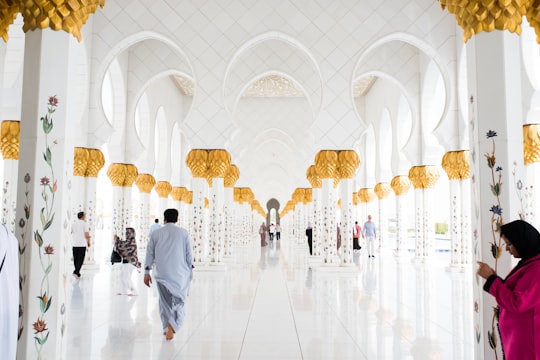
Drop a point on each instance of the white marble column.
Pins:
(347, 221)
(10, 153)
(423, 179)
(496, 138)
(530, 200)
(91, 218)
(382, 190)
(144, 220)
(228, 209)
(216, 224)
(401, 184)
(317, 222)
(199, 188)
(329, 221)
(42, 192)
(145, 183)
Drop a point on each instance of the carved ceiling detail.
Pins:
(362, 86)
(184, 84)
(273, 86)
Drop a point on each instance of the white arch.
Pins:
(418, 43)
(271, 35)
(393, 80)
(154, 78)
(124, 45)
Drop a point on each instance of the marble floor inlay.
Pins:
(275, 303)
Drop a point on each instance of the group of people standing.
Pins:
(274, 230)
(369, 232)
(169, 255)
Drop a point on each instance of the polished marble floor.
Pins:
(275, 303)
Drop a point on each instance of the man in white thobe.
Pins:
(170, 254)
(9, 293)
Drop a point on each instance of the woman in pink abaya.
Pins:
(518, 295)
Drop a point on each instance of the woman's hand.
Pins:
(484, 270)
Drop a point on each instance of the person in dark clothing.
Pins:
(309, 234)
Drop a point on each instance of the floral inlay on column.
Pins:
(496, 222)
(49, 187)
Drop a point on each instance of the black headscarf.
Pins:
(524, 237)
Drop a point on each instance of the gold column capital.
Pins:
(348, 162)
(237, 195)
(67, 15)
(531, 143)
(188, 197)
(326, 162)
(400, 184)
(163, 188)
(475, 16)
(456, 164)
(247, 195)
(122, 174)
(218, 162)
(96, 161)
(116, 173)
(131, 175)
(145, 183)
(366, 195)
(80, 160)
(298, 195)
(355, 198)
(308, 195)
(8, 14)
(197, 161)
(313, 177)
(177, 193)
(423, 177)
(10, 138)
(382, 190)
(231, 176)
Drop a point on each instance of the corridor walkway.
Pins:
(271, 304)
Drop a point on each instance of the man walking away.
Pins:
(170, 255)
(80, 240)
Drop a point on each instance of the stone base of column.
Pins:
(314, 261)
(456, 268)
(337, 269)
(401, 253)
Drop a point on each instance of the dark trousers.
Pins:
(78, 258)
(309, 234)
(278, 235)
(356, 244)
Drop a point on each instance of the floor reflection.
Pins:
(272, 303)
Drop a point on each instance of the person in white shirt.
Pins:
(272, 231)
(80, 240)
(156, 225)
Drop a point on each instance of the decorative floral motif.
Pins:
(49, 187)
(496, 222)
(525, 196)
(22, 252)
